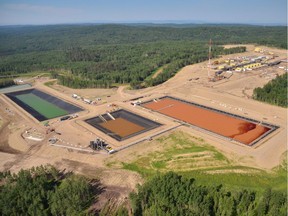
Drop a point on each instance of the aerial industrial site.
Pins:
(81, 129)
(211, 99)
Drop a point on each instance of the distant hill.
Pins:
(22, 39)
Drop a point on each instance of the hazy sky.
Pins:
(81, 11)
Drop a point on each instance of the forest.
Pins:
(171, 195)
(44, 190)
(274, 92)
(102, 55)
(6, 82)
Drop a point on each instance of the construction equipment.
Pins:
(98, 144)
(65, 118)
(74, 116)
(209, 56)
(53, 140)
(50, 130)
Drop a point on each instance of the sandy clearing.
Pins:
(159, 71)
(240, 171)
(6, 158)
(91, 94)
(193, 154)
(17, 142)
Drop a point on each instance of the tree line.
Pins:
(45, 190)
(172, 194)
(274, 92)
(102, 55)
(105, 65)
(6, 82)
(26, 39)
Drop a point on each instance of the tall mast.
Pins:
(209, 56)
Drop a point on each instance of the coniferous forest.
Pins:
(84, 56)
(274, 92)
(6, 82)
(173, 195)
(45, 190)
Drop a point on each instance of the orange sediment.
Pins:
(122, 127)
(238, 129)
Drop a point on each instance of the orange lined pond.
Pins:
(225, 124)
(122, 124)
(122, 127)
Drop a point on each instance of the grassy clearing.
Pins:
(156, 72)
(181, 153)
(191, 157)
(50, 83)
(120, 84)
(254, 179)
(34, 74)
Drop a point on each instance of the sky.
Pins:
(38, 12)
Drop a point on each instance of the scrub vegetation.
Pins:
(204, 182)
(191, 156)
